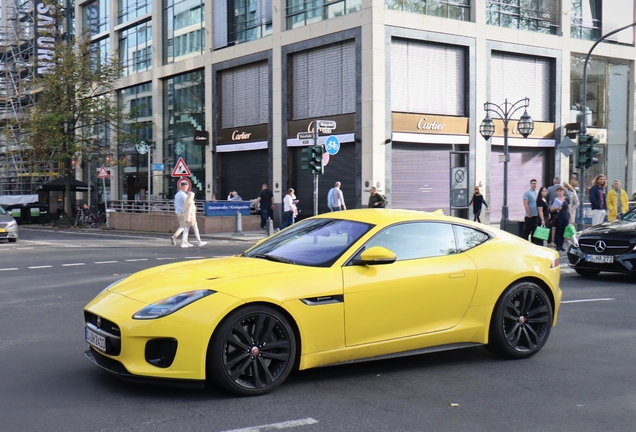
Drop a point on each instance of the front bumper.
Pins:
(9, 233)
(625, 263)
(130, 342)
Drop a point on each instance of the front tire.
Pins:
(521, 321)
(587, 272)
(252, 351)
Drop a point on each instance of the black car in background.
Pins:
(610, 247)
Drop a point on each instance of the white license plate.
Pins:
(95, 340)
(602, 259)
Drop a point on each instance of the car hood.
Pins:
(218, 274)
(617, 226)
(6, 218)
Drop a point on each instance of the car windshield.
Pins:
(630, 216)
(312, 242)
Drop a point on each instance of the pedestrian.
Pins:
(376, 200)
(60, 211)
(543, 208)
(561, 205)
(338, 202)
(190, 216)
(597, 199)
(179, 201)
(265, 201)
(531, 213)
(572, 195)
(477, 201)
(234, 196)
(289, 209)
(552, 190)
(574, 181)
(617, 201)
(330, 198)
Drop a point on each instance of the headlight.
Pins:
(11, 224)
(171, 304)
(574, 241)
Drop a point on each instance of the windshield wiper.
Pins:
(274, 258)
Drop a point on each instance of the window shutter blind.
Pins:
(245, 96)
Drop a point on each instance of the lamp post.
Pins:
(487, 130)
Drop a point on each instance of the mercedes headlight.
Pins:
(574, 241)
(171, 304)
(12, 224)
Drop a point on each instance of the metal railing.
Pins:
(154, 206)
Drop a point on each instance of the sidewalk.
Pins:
(247, 236)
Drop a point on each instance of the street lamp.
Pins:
(487, 130)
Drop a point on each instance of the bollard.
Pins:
(238, 227)
(270, 227)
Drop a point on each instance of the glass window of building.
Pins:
(301, 12)
(251, 20)
(590, 19)
(185, 29)
(100, 52)
(540, 16)
(184, 113)
(131, 9)
(135, 48)
(454, 9)
(96, 17)
(585, 19)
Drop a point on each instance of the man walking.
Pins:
(597, 200)
(179, 201)
(375, 199)
(617, 201)
(338, 199)
(552, 190)
(530, 205)
(266, 201)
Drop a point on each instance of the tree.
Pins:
(75, 99)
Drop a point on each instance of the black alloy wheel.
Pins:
(521, 321)
(252, 351)
(587, 272)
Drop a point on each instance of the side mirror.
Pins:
(375, 255)
(619, 216)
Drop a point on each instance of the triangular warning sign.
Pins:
(102, 173)
(181, 169)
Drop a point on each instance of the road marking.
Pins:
(588, 300)
(137, 259)
(40, 267)
(163, 259)
(105, 262)
(282, 425)
(74, 264)
(9, 269)
(195, 257)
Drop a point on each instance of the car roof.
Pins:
(389, 216)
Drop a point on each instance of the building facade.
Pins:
(405, 82)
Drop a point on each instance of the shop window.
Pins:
(453, 9)
(540, 16)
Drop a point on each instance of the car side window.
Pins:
(468, 238)
(416, 240)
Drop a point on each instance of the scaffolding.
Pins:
(19, 173)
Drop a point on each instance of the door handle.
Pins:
(457, 275)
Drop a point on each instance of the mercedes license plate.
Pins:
(601, 259)
(95, 340)
(2, 229)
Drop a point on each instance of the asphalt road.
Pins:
(584, 379)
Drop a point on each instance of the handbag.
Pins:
(541, 233)
(553, 219)
(570, 230)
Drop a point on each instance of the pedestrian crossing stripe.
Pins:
(181, 169)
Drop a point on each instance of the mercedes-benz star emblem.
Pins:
(99, 322)
(600, 246)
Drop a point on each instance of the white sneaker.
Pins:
(189, 245)
(173, 240)
(202, 243)
(184, 245)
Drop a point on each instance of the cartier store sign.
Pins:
(429, 124)
(542, 130)
(345, 123)
(242, 134)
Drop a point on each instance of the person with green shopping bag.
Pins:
(561, 205)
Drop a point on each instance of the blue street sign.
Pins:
(157, 167)
(332, 145)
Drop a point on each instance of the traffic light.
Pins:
(305, 158)
(581, 151)
(315, 159)
(591, 151)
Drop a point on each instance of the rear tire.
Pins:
(587, 272)
(521, 321)
(252, 351)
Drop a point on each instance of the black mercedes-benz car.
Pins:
(610, 247)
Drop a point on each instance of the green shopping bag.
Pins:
(570, 230)
(541, 233)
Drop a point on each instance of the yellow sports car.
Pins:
(335, 288)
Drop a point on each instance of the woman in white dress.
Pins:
(190, 214)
